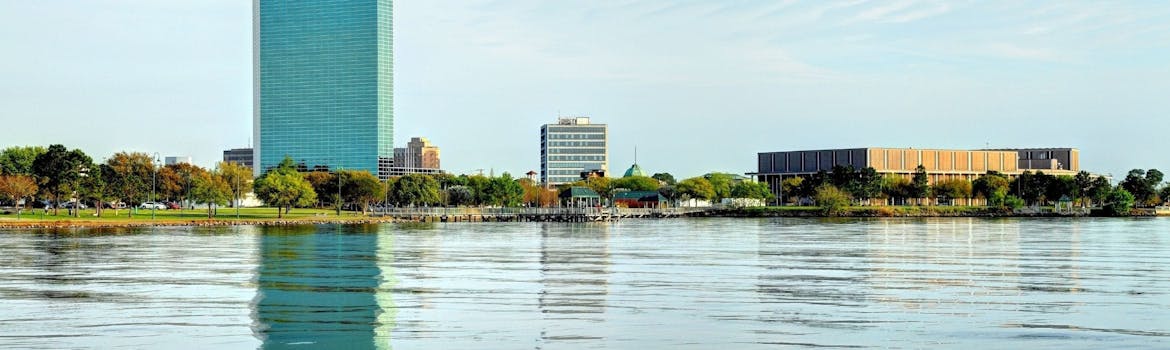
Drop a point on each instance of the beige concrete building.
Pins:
(419, 153)
(940, 164)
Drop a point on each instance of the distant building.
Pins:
(418, 153)
(639, 199)
(172, 160)
(571, 147)
(532, 175)
(774, 167)
(323, 83)
(418, 157)
(241, 156)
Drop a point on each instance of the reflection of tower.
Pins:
(319, 289)
(575, 278)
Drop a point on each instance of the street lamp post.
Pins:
(153, 185)
(238, 196)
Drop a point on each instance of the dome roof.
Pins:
(635, 170)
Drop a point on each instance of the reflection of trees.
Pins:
(574, 263)
(319, 287)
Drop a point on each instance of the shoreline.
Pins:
(82, 223)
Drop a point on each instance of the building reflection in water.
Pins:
(574, 269)
(321, 286)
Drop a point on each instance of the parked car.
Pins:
(115, 205)
(152, 205)
(173, 206)
(42, 204)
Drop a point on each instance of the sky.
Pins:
(695, 86)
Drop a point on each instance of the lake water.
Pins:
(635, 284)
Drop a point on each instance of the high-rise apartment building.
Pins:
(571, 147)
(323, 83)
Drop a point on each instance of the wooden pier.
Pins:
(462, 214)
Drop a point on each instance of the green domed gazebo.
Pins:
(635, 170)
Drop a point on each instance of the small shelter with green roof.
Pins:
(580, 196)
(639, 199)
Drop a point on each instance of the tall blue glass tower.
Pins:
(323, 84)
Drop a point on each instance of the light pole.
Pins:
(153, 185)
(238, 196)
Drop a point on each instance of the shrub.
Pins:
(831, 199)
(1118, 202)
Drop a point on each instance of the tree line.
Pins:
(848, 186)
(64, 175)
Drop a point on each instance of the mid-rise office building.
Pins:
(241, 156)
(323, 85)
(774, 167)
(173, 160)
(571, 147)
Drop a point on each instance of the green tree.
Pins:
(131, 175)
(991, 185)
(210, 188)
(1143, 184)
(952, 189)
(666, 178)
(59, 170)
(920, 184)
(1119, 202)
(832, 199)
(869, 184)
(415, 189)
(636, 183)
(1165, 193)
(459, 195)
(284, 190)
(790, 189)
(238, 178)
(283, 187)
(602, 185)
(696, 188)
(671, 193)
(362, 187)
(505, 191)
(16, 188)
(325, 184)
(1084, 184)
(894, 186)
(753, 190)
(721, 183)
(19, 160)
(478, 185)
(1100, 190)
(95, 188)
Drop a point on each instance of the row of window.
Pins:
(576, 151)
(576, 129)
(576, 144)
(576, 137)
(576, 158)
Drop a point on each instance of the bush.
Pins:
(1118, 202)
(831, 199)
(1013, 202)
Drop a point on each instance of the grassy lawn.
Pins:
(174, 215)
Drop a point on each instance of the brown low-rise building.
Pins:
(774, 167)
